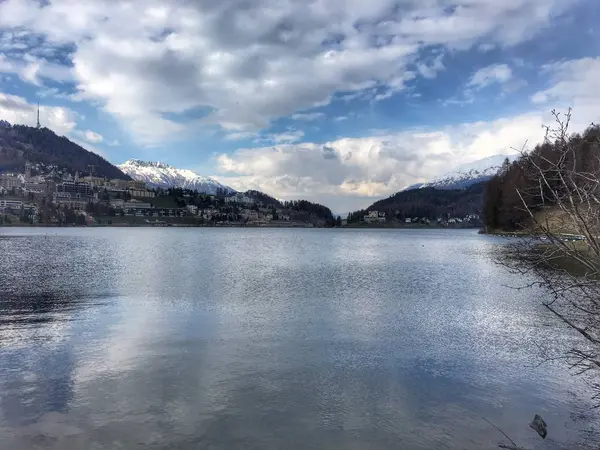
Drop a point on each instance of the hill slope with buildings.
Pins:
(20, 144)
(427, 205)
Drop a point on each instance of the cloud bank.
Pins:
(246, 63)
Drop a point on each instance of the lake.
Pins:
(273, 339)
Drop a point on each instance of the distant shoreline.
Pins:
(185, 225)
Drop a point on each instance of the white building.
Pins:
(10, 204)
(206, 214)
(239, 198)
(9, 181)
(193, 209)
(37, 188)
(136, 205)
(374, 217)
(142, 193)
(250, 214)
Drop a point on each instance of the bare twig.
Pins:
(500, 430)
(557, 188)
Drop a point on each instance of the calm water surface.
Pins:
(271, 339)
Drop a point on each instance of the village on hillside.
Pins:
(397, 218)
(46, 195)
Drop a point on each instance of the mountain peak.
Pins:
(164, 176)
(467, 174)
(143, 163)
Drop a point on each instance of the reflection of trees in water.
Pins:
(36, 309)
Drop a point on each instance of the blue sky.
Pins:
(337, 101)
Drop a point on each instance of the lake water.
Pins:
(272, 339)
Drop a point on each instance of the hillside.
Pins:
(520, 182)
(264, 198)
(164, 176)
(20, 143)
(430, 203)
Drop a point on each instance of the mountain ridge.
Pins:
(20, 144)
(164, 176)
(466, 175)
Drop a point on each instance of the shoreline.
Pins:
(185, 225)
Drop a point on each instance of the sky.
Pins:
(337, 101)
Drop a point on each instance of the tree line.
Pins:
(320, 211)
(517, 191)
(428, 203)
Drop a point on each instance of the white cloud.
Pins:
(496, 73)
(486, 47)
(32, 69)
(92, 137)
(309, 117)
(576, 84)
(431, 69)
(350, 173)
(288, 136)
(239, 135)
(248, 62)
(17, 110)
(62, 121)
(353, 171)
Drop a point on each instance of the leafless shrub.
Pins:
(562, 202)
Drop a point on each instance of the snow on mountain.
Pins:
(468, 174)
(161, 175)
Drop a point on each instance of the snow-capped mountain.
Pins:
(161, 175)
(468, 174)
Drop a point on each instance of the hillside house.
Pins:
(250, 215)
(375, 217)
(9, 181)
(13, 205)
(239, 198)
(141, 193)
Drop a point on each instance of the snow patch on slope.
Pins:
(468, 174)
(164, 176)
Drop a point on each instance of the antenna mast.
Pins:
(38, 116)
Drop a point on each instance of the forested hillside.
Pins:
(519, 184)
(430, 203)
(263, 198)
(19, 143)
(320, 211)
(302, 206)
